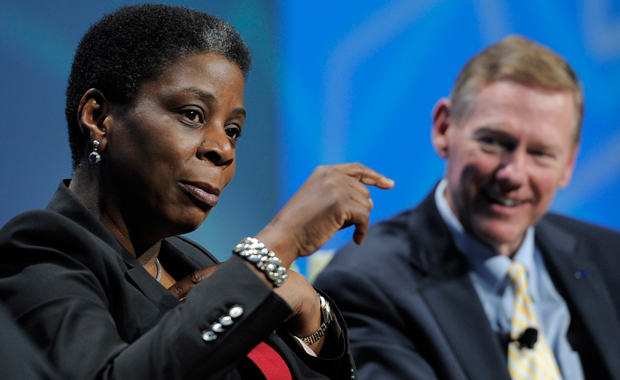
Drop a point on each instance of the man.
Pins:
(479, 281)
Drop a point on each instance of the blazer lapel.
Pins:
(182, 258)
(453, 300)
(156, 293)
(582, 288)
(66, 203)
(458, 311)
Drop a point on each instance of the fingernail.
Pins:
(389, 182)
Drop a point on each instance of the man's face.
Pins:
(506, 159)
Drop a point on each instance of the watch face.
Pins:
(326, 310)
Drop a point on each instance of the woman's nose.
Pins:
(217, 147)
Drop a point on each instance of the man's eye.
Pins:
(490, 145)
(192, 115)
(488, 141)
(494, 144)
(543, 157)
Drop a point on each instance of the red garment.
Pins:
(270, 362)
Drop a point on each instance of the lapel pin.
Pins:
(581, 273)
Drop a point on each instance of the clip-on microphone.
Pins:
(528, 338)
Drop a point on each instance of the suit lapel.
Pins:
(453, 300)
(141, 279)
(180, 256)
(66, 203)
(457, 309)
(581, 286)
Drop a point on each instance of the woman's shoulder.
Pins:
(38, 228)
(39, 244)
(43, 228)
(64, 228)
(35, 221)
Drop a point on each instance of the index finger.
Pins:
(366, 175)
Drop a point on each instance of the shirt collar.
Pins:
(485, 263)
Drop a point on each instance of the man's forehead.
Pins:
(502, 100)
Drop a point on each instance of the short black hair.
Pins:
(134, 44)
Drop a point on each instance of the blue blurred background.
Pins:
(332, 81)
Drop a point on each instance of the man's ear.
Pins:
(93, 113)
(442, 122)
(567, 173)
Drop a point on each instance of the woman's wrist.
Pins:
(281, 243)
(265, 260)
(326, 319)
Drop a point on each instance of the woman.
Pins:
(98, 278)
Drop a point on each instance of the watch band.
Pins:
(326, 317)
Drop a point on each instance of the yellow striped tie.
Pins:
(527, 363)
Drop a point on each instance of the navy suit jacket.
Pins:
(97, 314)
(413, 312)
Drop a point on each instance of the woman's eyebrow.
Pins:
(211, 98)
(239, 112)
(203, 94)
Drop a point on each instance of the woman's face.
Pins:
(171, 152)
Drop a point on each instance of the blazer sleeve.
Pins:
(20, 358)
(66, 291)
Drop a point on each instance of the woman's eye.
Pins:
(233, 132)
(192, 115)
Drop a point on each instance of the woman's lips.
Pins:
(202, 193)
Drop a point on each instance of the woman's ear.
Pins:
(93, 113)
(442, 122)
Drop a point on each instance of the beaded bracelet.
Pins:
(265, 259)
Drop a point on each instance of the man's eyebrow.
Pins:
(506, 134)
(494, 129)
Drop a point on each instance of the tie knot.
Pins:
(517, 275)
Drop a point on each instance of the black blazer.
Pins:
(19, 358)
(413, 312)
(91, 306)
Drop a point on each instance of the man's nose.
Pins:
(513, 169)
